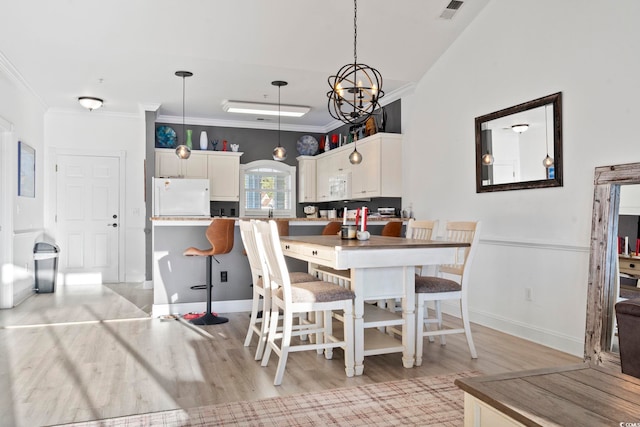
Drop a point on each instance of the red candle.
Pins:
(358, 217)
(364, 218)
(638, 247)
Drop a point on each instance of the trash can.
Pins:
(45, 257)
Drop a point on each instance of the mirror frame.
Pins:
(556, 100)
(601, 290)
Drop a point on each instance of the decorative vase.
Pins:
(204, 141)
(189, 142)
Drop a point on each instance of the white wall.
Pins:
(94, 133)
(22, 112)
(516, 51)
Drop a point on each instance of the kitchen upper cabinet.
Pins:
(222, 168)
(380, 173)
(306, 179)
(224, 176)
(168, 165)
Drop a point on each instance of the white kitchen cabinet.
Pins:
(168, 165)
(306, 179)
(222, 168)
(380, 173)
(224, 176)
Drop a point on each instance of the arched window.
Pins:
(268, 187)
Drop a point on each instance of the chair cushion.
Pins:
(432, 284)
(295, 277)
(318, 291)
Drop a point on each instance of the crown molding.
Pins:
(18, 80)
(266, 125)
(100, 113)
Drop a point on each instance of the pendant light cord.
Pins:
(184, 132)
(279, 115)
(546, 130)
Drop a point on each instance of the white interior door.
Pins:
(7, 201)
(88, 217)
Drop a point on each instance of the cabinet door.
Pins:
(224, 177)
(167, 165)
(195, 166)
(306, 180)
(323, 173)
(366, 176)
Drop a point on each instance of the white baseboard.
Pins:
(541, 336)
(236, 306)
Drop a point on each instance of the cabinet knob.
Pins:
(632, 265)
(286, 246)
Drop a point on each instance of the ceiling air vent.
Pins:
(451, 9)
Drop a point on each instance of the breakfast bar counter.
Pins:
(174, 274)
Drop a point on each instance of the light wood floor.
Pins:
(92, 352)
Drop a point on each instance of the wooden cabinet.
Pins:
(379, 174)
(222, 168)
(168, 165)
(306, 179)
(629, 265)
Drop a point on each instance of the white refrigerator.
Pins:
(181, 197)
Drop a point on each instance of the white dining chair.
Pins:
(261, 293)
(416, 229)
(450, 283)
(318, 297)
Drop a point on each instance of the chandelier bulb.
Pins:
(279, 153)
(355, 157)
(547, 162)
(487, 159)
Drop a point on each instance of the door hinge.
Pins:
(55, 219)
(56, 168)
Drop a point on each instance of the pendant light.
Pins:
(183, 151)
(279, 153)
(487, 159)
(548, 161)
(356, 89)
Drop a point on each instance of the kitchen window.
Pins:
(268, 188)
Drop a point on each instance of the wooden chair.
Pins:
(451, 283)
(220, 235)
(318, 297)
(423, 230)
(392, 229)
(257, 324)
(332, 228)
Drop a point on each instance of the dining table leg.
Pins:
(357, 286)
(409, 316)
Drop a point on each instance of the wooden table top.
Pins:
(374, 242)
(577, 395)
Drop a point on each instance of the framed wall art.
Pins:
(26, 170)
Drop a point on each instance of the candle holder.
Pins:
(348, 232)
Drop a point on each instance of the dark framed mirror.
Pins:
(520, 147)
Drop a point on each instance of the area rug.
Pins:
(425, 401)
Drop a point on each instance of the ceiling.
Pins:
(127, 52)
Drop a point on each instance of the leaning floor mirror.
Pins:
(603, 287)
(521, 146)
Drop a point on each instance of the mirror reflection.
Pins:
(627, 279)
(520, 147)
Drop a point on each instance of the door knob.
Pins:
(115, 216)
(114, 225)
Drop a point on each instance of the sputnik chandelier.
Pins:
(356, 89)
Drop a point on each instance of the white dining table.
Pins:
(380, 268)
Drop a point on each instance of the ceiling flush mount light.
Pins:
(182, 151)
(279, 153)
(90, 103)
(264, 109)
(356, 89)
(519, 128)
(548, 161)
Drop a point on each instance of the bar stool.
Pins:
(220, 234)
(392, 229)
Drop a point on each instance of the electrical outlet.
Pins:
(528, 294)
(223, 276)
